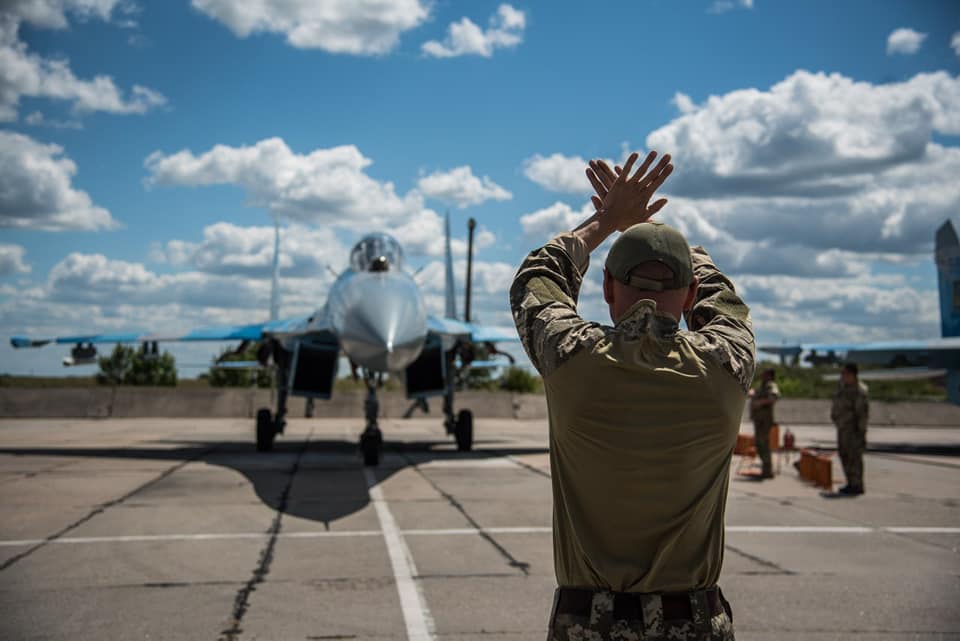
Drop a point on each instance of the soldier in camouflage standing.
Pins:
(762, 401)
(850, 411)
(643, 417)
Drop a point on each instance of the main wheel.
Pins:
(265, 430)
(370, 444)
(464, 430)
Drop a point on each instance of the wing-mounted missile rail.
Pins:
(81, 354)
(149, 350)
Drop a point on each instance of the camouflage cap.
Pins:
(647, 242)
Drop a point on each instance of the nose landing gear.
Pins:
(371, 441)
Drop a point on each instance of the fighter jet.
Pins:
(929, 358)
(374, 315)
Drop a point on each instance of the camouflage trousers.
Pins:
(851, 443)
(761, 434)
(603, 622)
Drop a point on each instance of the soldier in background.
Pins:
(643, 417)
(762, 401)
(849, 413)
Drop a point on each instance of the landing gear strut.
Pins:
(460, 426)
(268, 425)
(371, 441)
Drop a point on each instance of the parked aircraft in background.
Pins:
(374, 315)
(929, 358)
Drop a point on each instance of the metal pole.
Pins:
(275, 282)
(466, 308)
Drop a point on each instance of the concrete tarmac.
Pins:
(178, 529)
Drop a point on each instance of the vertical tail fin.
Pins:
(451, 301)
(275, 284)
(947, 255)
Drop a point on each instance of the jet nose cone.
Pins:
(380, 320)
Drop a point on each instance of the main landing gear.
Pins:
(269, 425)
(460, 426)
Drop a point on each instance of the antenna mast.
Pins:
(471, 224)
(275, 285)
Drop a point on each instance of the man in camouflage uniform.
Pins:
(643, 418)
(850, 411)
(762, 401)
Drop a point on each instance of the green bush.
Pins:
(226, 377)
(517, 379)
(130, 366)
(808, 382)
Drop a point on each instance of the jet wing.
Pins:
(934, 352)
(254, 332)
(476, 333)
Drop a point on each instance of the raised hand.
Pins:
(625, 198)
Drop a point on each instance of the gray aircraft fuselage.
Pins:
(375, 309)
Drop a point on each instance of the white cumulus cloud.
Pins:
(358, 27)
(683, 103)
(325, 186)
(11, 260)
(955, 42)
(52, 14)
(465, 37)
(423, 234)
(549, 221)
(230, 249)
(108, 286)
(558, 172)
(460, 187)
(26, 74)
(722, 6)
(904, 41)
(36, 190)
(822, 160)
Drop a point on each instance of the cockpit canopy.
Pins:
(376, 252)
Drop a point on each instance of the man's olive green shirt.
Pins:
(851, 406)
(768, 390)
(643, 421)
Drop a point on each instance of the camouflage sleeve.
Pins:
(721, 317)
(543, 299)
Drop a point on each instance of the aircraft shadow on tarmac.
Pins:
(319, 480)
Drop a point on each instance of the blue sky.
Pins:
(145, 148)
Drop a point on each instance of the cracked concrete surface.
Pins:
(178, 529)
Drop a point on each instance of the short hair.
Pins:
(771, 372)
(852, 368)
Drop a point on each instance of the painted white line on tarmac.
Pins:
(803, 529)
(222, 536)
(326, 534)
(416, 614)
(473, 530)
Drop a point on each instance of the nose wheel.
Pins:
(371, 444)
(371, 441)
